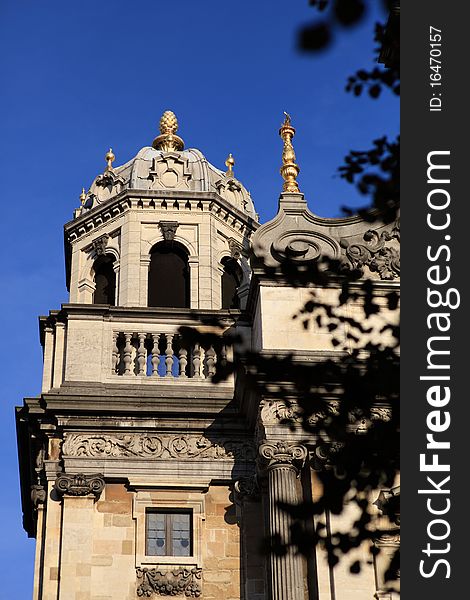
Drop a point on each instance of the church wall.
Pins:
(94, 547)
(276, 328)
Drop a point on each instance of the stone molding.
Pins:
(153, 446)
(79, 484)
(176, 582)
(277, 454)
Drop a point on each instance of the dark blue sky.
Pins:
(78, 77)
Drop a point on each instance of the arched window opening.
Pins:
(231, 279)
(105, 280)
(168, 283)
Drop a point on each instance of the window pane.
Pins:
(181, 534)
(156, 539)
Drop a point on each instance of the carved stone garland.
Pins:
(177, 582)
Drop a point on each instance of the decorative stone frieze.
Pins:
(79, 484)
(277, 412)
(168, 229)
(165, 447)
(177, 582)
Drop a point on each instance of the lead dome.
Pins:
(166, 165)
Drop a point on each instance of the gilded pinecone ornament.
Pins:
(168, 141)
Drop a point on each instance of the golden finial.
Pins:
(229, 163)
(83, 196)
(290, 169)
(109, 158)
(168, 141)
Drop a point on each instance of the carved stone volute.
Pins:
(276, 454)
(79, 484)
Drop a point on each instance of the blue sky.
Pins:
(79, 77)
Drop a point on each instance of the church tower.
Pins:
(141, 476)
(131, 451)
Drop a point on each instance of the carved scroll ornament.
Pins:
(375, 253)
(178, 582)
(79, 484)
(153, 446)
(282, 453)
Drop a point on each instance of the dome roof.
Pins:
(167, 166)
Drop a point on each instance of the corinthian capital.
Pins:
(283, 453)
(79, 484)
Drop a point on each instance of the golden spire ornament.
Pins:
(83, 197)
(229, 163)
(168, 141)
(109, 158)
(290, 169)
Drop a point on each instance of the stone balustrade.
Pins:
(162, 356)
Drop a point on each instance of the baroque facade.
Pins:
(139, 476)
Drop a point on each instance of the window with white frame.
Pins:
(168, 533)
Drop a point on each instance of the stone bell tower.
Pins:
(140, 476)
(128, 457)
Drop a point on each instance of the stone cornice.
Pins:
(128, 199)
(183, 316)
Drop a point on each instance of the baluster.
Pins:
(223, 357)
(155, 355)
(210, 361)
(115, 358)
(183, 356)
(197, 361)
(169, 354)
(142, 354)
(127, 354)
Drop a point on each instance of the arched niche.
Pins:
(168, 279)
(230, 281)
(104, 280)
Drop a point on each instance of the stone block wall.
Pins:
(101, 544)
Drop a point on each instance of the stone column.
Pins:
(284, 462)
